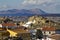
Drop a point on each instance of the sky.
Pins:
(50, 6)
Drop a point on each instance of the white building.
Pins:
(48, 30)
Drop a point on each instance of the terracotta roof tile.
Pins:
(8, 24)
(49, 28)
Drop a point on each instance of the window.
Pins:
(49, 32)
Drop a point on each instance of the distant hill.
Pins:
(22, 12)
(38, 11)
(51, 15)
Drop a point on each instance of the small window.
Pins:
(44, 32)
(49, 32)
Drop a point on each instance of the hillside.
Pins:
(41, 22)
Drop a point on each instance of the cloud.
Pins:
(48, 5)
(4, 6)
(53, 8)
(36, 2)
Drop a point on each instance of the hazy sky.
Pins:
(51, 6)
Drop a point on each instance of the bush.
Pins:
(39, 34)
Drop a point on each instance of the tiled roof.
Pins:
(8, 24)
(21, 27)
(57, 29)
(48, 28)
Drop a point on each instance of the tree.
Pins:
(7, 20)
(39, 34)
(20, 38)
(4, 34)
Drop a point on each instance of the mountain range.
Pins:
(24, 12)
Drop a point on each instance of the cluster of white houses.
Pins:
(51, 32)
(47, 31)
